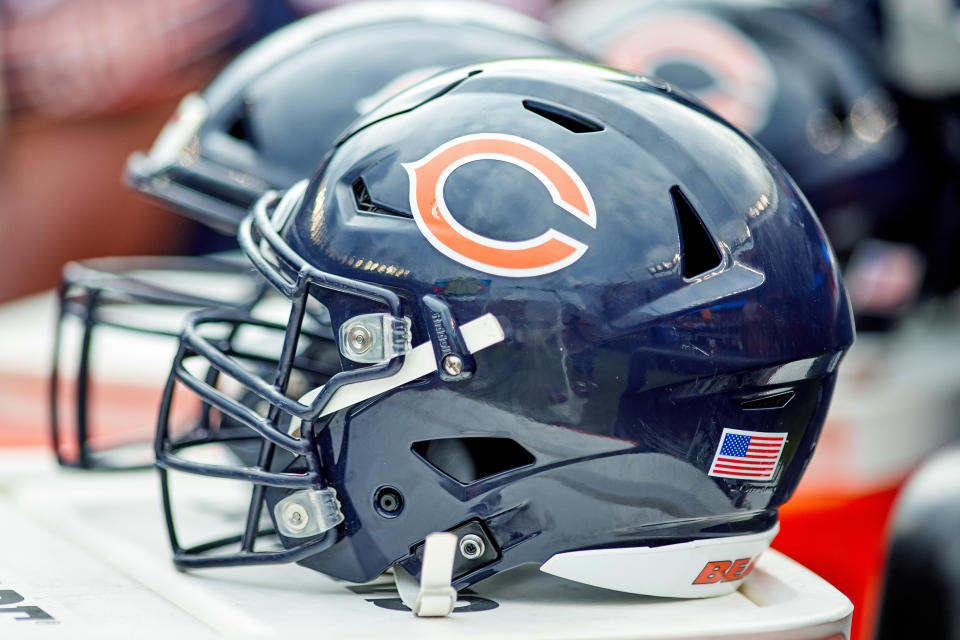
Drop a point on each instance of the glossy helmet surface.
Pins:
(268, 118)
(798, 85)
(602, 280)
(266, 121)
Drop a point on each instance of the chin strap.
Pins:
(433, 596)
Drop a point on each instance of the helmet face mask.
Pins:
(109, 305)
(555, 392)
(291, 457)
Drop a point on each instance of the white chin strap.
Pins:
(433, 596)
(478, 334)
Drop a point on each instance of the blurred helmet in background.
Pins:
(801, 88)
(536, 8)
(921, 45)
(270, 116)
(266, 121)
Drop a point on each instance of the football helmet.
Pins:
(580, 321)
(807, 94)
(266, 121)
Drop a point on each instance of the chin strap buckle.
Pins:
(434, 596)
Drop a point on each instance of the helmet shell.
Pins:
(622, 367)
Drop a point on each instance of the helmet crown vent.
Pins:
(564, 117)
(698, 251)
(365, 203)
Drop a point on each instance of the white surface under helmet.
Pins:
(84, 557)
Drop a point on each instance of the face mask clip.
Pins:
(308, 513)
(375, 338)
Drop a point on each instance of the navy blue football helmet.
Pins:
(808, 95)
(265, 122)
(579, 320)
(269, 117)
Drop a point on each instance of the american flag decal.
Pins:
(747, 455)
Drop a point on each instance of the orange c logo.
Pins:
(543, 254)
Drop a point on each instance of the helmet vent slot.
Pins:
(365, 203)
(468, 460)
(698, 251)
(241, 129)
(238, 130)
(563, 117)
(777, 400)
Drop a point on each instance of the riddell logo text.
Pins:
(724, 571)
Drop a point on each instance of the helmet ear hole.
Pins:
(388, 502)
(469, 460)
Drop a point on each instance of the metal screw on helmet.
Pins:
(359, 339)
(375, 337)
(389, 502)
(453, 364)
(296, 516)
(471, 546)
